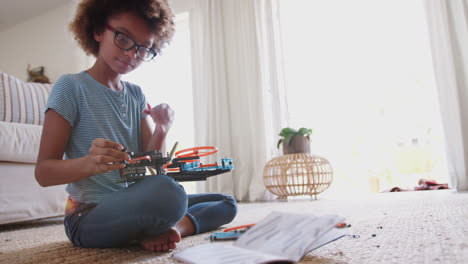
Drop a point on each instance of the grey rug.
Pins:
(407, 227)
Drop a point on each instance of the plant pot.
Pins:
(298, 144)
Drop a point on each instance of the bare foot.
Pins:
(163, 242)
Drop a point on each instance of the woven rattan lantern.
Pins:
(297, 174)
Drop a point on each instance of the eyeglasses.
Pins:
(124, 42)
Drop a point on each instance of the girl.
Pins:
(92, 115)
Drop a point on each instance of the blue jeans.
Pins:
(145, 209)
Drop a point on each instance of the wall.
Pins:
(42, 41)
(179, 6)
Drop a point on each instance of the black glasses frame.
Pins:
(116, 32)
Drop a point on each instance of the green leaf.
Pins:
(279, 143)
(305, 131)
(287, 140)
(287, 131)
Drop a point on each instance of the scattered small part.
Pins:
(223, 236)
(6, 240)
(378, 246)
(374, 235)
(379, 227)
(341, 225)
(354, 236)
(241, 228)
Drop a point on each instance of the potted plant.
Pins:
(295, 141)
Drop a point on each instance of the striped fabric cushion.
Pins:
(22, 102)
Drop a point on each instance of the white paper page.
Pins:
(287, 235)
(218, 252)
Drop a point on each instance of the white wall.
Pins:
(42, 41)
(179, 6)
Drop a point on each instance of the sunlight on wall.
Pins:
(168, 79)
(359, 73)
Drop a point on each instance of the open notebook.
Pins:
(279, 237)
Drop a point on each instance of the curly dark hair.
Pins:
(91, 16)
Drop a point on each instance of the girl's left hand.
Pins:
(163, 116)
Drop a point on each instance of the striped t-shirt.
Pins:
(95, 111)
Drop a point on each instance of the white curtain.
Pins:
(238, 99)
(448, 28)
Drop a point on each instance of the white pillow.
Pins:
(19, 142)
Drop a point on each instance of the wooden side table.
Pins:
(297, 174)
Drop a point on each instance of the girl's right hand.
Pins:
(106, 155)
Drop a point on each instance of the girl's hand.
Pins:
(105, 156)
(163, 116)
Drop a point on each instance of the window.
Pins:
(359, 73)
(168, 79)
